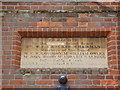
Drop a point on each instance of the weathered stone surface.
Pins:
(64, 53)
(59, 0)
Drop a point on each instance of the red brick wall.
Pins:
(22, 24)
(0, 47)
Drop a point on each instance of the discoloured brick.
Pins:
(44, 82)
(109, 82)
(72, 77)
(52, 24)
(17, 82)
(83, 82)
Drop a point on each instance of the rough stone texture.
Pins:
(60, 0)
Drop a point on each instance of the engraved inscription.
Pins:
(64, 53)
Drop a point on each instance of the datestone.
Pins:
(64, 53)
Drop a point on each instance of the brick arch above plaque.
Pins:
(64, 53)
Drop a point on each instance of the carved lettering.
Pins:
(64, 53)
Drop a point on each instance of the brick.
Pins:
(72, 77)
(114, 67)
(5, 82)
(118, 47)
(70, 15)
(108, 19)
(16, 52)
(106, 25)
(8, 33)
(112, 62)
(119, 61)
(92, 3)
(54, 77)
(46, 19)
(94, 7)
(117, 77)
(5, 71)
(93, 25)
(114, 72)
(112, 43)
(82, 19)
(96, 82)
(56, 24)
(7, 43)
(114, 57)
(112, 48)
(83, 15)
(16, 57)
(109, 77)
(82, 77)
(32, 24)
(115, 33)
(109, 82)
(116, 19)
(35, 7)
(70, 24)
(115, 3)
(44, 82)
(58, 19)
(33, 77)
(53, 3)
(16, 48)
(96, 77)
(6, 66)
(45, 76)
(18, 43)
(8, 76)
(83, 25)
(71, 82)
(17, 38)
(22, 3)
(16, 63)
(18, 82)
(10, 3)
(111, 38)
(110, 87)
(30, 82)
(96, 19)
(83, 82)
(18, 77)
(71, 19)
(107, 3)
(22, 7)
(112, 53)
(56, 82)
(52, 24)
(44, 86)
(7, 86)
(4, 7)
(82, 8)
(68, 7)
(6, 62)
(14, 67)
(10, 7)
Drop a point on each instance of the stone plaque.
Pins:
(64, 53)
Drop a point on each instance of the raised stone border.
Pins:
(60, 11)
(59, 0)
(63, 70)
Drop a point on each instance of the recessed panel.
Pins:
(64, 53)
